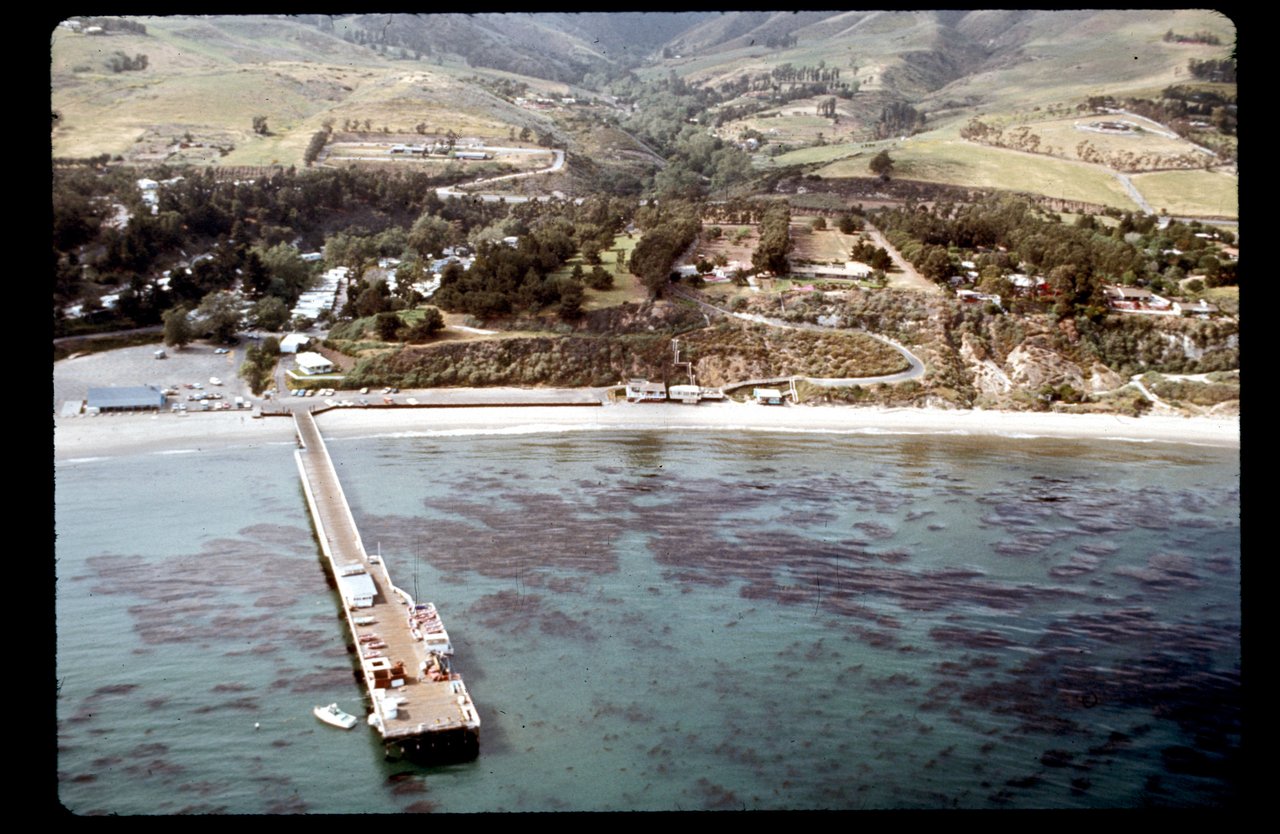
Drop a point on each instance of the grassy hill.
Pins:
(210, 77)
(206, 78)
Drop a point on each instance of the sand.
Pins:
(84, 437)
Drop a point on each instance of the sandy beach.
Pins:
(82, 437)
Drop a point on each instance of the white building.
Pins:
(292, 342)
(313, 363)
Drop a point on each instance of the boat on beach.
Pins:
(334, 716)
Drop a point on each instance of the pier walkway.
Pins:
(419, 714)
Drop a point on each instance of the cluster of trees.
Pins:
(392, 328)
(120, 62)
(236, 223)
(1199, 37)
(505, 280)
(737, 211)
(669, 119)
(1020, 138)
(876, 257)
(669, 229)
(898, 118)
(259, 362)
(1219, 69)
(822, 74)
(507, 88)
(1131, 162)
(318, 140)
(1076, 259)
(775, 239)
(112, 24)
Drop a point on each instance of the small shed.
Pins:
(294, 341)
(356, 586)
(767, 396)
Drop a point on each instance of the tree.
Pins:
(373, 300)
(881, 165)
(818, 224)
(260, 125)
(388, 324)
(271, 313)
(571, 297)
(430, 234)
(289, 273)
(177, 330)
(600, 279)
(848, 224)
(219, 315)
(426, 328)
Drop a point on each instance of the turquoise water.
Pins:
(662, 621)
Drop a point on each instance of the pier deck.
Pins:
(424, 715)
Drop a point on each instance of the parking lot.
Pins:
(126, 367)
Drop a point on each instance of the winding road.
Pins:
(453, 191)
(914, 371)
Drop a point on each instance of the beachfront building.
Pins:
(136, 398)
(767, 396)
(642, 390)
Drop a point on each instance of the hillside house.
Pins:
(1031, 285)
(1137, 300)
(975, 297)
(1199, 309)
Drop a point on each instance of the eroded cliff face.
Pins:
(1033, 367)
(988, 377)
(1011, 362)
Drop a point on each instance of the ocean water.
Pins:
(666, 621)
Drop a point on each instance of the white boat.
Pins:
(332, 715)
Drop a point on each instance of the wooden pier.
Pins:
(418, 703)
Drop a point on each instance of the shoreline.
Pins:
(81, 438)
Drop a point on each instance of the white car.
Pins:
(213, 380)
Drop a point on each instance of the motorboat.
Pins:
(335, 716)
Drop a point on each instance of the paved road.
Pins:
(1134, 194)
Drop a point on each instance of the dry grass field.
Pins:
(818, 246)
(1205, 193)
(736, 243)
(936, 159)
